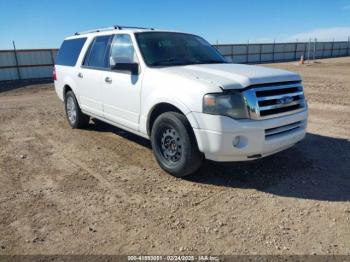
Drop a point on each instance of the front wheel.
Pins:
(174, 145)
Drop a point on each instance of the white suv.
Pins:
(177, 90)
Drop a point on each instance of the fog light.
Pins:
(236, 141)
(240, 141)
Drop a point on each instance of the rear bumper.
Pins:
(217, 135)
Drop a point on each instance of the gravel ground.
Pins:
(100, 191)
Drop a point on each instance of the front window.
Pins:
(170, 49)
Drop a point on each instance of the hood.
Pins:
(232, 76)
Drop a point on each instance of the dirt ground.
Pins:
(100, 191)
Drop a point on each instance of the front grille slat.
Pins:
(274, 100)
(280, 86)
(300, 93)
(282, 110)
(283, 91)
(275, 132)
(283, 129)
(262, 108)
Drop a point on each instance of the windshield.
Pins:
(170, 49)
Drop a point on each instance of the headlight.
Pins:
(228, 104)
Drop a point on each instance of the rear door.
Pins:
(90, 74)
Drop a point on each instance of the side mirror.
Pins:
(131, 67)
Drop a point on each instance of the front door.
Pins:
(121, 90)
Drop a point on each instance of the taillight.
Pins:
(54, 76)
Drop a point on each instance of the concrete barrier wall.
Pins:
(38, 63)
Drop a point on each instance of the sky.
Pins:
(45, 23)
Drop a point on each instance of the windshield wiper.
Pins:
(179, 61)
(209, 62)
(170, 61)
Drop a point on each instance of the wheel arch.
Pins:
(69, 85)
(66, 88)
(163, 107)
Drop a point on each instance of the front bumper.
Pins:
(216, 136)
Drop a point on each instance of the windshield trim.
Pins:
(171, 65)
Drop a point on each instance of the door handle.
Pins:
(80, 75)
(108, 80)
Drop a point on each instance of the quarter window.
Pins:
(122, 50)
(69, 51)
(97, 54)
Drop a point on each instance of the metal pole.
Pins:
(273, 50)
(332, 48)
(260, 51)
(308, 51)
(52, 57)
(232, 52)
(295, 49)
(323, 48)
(16, 59)
(247, 60)
(314, 55)
(348, 45)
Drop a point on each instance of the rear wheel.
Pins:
(174, 145)
(75, 117)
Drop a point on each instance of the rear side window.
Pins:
(69, 52)
(97, 55)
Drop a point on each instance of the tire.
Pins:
(75, 117)
(174, 145)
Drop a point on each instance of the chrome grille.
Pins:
(273, 100)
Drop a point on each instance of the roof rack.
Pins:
(132, 27)
(115, 27)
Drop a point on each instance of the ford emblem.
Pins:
(285, 100)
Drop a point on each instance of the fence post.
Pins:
(348, 45)
(52, 58)
(332, 48)
(247, 60)
(260, 51)
(323, 48)
(16, 59)
(295, 50)
(273, 50)
(308, 51)
(314, 55)
(232, 52)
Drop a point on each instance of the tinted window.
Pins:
(122, 50)
(69, 52)
(167, 49)
(97, 53)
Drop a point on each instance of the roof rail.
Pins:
(95, 30)
(115, 27)
(132, 27)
